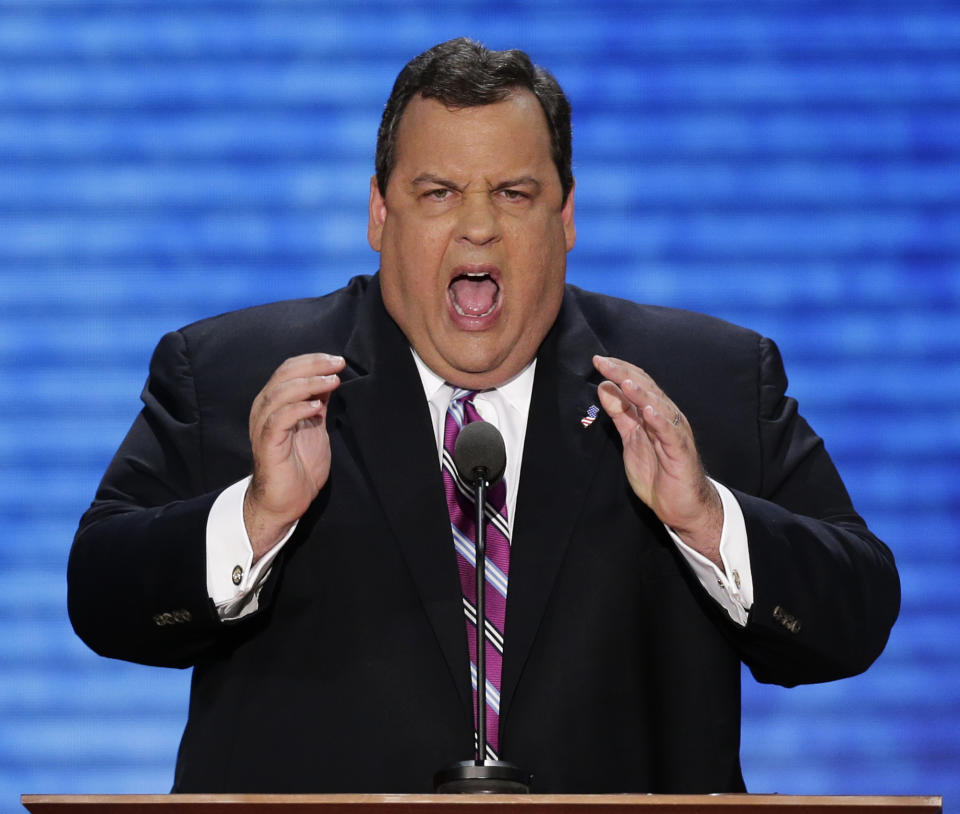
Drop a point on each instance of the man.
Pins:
(318, 599)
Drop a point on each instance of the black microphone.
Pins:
(479, 453)
(480, 458)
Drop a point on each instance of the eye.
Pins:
(439, 194)
(513, 194)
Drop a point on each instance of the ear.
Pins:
(566, 215)
(377, 215)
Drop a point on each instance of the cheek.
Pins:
(419, 254)
(409, 263)
(546, 269)
(546, 293)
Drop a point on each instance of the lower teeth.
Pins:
(463, 313)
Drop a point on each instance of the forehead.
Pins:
(512, 132)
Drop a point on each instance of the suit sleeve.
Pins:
(826, 590)
(137, 575)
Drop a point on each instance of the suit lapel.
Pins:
(385, 412)
(559, 462)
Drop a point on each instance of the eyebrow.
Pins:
(523, 180)
(430, 178)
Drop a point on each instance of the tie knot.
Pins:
(461, 411)
(461, 395)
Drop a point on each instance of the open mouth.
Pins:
(475, 293)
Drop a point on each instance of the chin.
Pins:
(489, 375)
(467, 372)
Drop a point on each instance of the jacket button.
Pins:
(789, 621)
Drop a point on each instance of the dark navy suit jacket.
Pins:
(620, 673)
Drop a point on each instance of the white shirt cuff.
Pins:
(732, 587)
(232, 582)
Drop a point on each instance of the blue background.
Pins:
(791, 166)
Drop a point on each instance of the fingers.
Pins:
(660, 457)
(616, 405)
(289, 444)
(293, 378)
(308, 364)
(288, 402)
(275, 426)
(298, 389)
(629, 385)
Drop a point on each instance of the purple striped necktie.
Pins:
(462, 523)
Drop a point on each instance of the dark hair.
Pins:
(463, 73)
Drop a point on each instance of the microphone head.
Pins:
(480, 446)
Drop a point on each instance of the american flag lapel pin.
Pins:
(590, 416)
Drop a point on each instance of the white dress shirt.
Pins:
(234, 584)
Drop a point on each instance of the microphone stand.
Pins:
(482, 776)
(480, 485)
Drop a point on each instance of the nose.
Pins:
(479, 224)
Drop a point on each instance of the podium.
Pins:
(474, 804)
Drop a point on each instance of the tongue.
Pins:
(474, 296)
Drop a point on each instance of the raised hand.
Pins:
(291, 448)
(660, 456)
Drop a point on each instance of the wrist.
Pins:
(704, 529)
(264, 528)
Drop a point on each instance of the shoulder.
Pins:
(239, 350)
(309, 319)
(625, 327)
(722, 376)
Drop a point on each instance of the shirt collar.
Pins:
(517, 392)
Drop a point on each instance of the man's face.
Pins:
(473, 236)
